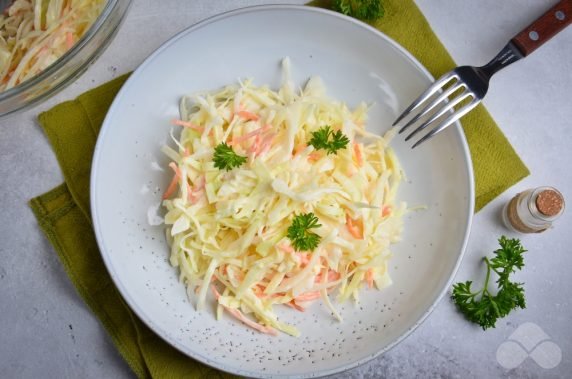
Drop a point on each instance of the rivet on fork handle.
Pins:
(544, 28)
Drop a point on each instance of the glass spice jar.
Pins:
(533, 210)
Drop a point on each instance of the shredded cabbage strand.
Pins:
(35, 33)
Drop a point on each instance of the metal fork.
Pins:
(469, 84)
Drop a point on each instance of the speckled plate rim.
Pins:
(134, 306)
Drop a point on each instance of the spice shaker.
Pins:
(534, 210)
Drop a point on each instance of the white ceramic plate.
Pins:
(357, 63)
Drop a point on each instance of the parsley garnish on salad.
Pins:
(293, 224)
(299, 232)
(225, 158)
(486, 310)
(321, 140)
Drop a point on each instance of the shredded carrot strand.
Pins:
(173, 185)
(308, 296)
(299, 148)
(313, 156)
(255, 132)
(215, 292)
(258, 290)
(171, 188)
(255, 145)
(266, 144)
(187, 124)
(386, 210)
(353, 227)
(238, 315)
(286, 248)
(195, 193)
(248, 115)
(369, 277)
(69, 40)
(292, 304)
(177, 170)
(332, 276)
(358, 154)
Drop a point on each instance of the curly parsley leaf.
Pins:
(368, 10)
(484, 308)
(225, 158)
(299, 232)
(321, 140)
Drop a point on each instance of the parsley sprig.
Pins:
(321, 140)
(363, 9)
(225, 158)
(299, 232)
(486, 310)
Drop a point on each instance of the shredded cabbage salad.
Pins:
(228, 229)
(35, 33)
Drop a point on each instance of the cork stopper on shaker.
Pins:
(534, 210)
(549, 202)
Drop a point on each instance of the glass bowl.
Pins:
(70, 65)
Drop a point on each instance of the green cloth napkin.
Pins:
(64, 216)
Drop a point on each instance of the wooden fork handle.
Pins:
(547, 26)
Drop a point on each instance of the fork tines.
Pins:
(447, 106)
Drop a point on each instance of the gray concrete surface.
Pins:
(47, 332)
